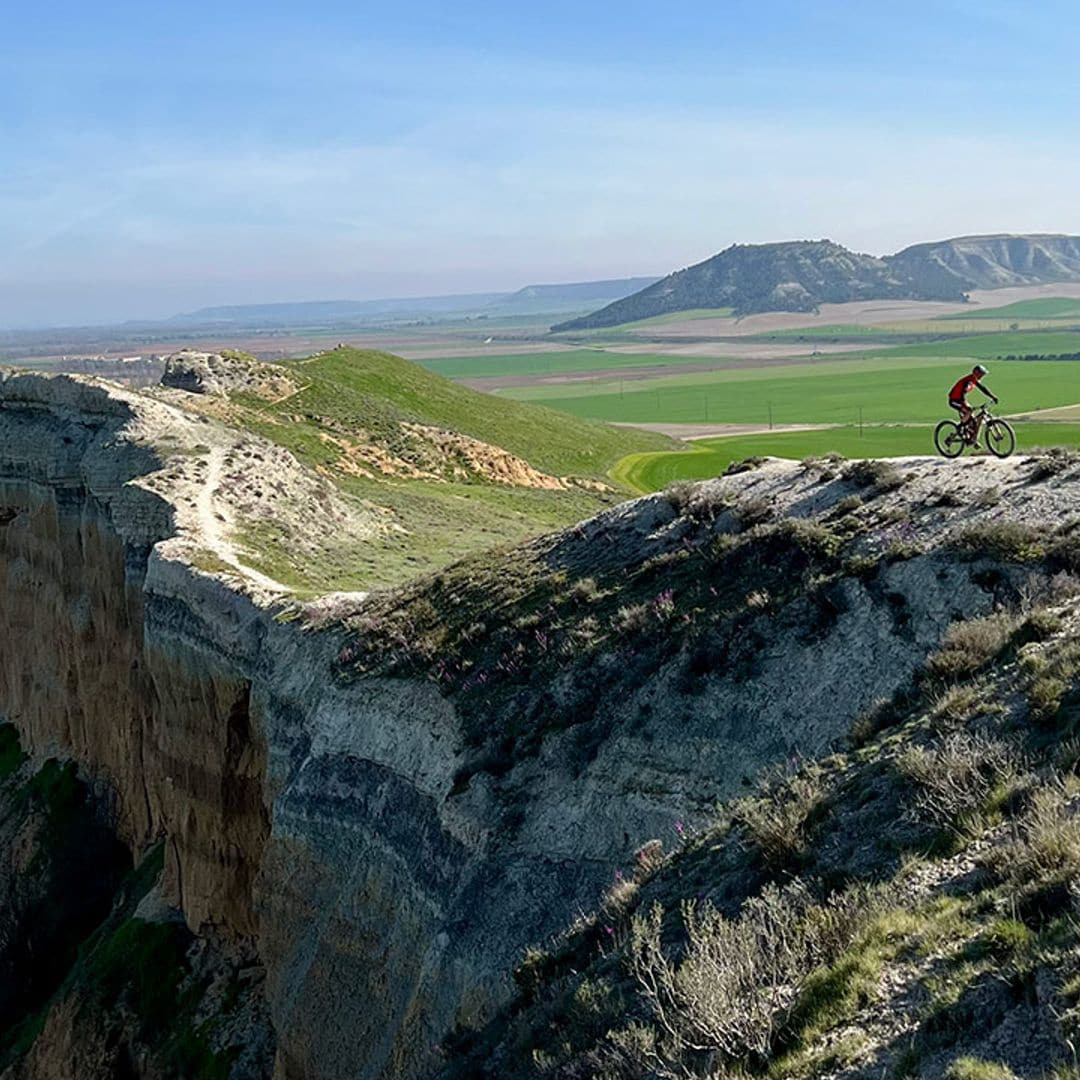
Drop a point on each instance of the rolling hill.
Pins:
(447, 470)
(803, 274)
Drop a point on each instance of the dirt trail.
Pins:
(211, 523)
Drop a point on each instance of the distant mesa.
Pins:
(567, 298)
(801, 275)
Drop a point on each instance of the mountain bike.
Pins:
(951, 437)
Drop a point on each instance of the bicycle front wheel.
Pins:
(1000, 438)
(949, 439)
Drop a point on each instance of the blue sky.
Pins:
(155, 159)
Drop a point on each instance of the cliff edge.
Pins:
(378, 801)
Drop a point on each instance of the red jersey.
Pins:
(963, 387)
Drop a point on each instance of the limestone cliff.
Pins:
(384, 799)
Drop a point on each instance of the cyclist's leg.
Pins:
(965, 418)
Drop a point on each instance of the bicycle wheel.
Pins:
(1000, 438)
(948, 439)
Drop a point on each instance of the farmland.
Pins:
(568, 362)
(1050, 307)
(881, 390)
(710, 457)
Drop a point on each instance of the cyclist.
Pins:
(958, 394)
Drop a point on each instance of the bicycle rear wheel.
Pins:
(949, 439)
(1000, 438)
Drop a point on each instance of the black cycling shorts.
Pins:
(959, 406)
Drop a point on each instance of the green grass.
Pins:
(1050, 307)
(368, 396)
(887, 389)
(834, 330)
(366, 390)
(443, 523)
(710, 457)
(990, 346)
(549, 363)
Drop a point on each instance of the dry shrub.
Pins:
(1007, 541)
(777, 822)
(631, 619)
(1053, 461)
(877, 716)
(754, 510)
(678, 495)
(881, 476)
(758, 599)
(956, 778)
(746, 465)
(648, 859)
(957, 704)
(970, 645)
(1044, 847)
(584, 591)
(1049, 676)
(736, 981)
(700, 502)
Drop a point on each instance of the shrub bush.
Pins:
(777, 822)
(1052, 462)
(755, 510)
(881, 476)
(1007, 541)
(1044, 845)
(956, 778)
(737, 980)
(969, 645)
(746, 465)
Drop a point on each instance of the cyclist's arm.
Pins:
(987, 392)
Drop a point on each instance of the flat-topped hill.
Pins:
(802, 275)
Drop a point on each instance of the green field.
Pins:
(905, 389)
(1050, 307)
(991, 346)
(834, 330)
(549, 363)
(710, 457)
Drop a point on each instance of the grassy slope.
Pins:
(357, 393)
(376, 391)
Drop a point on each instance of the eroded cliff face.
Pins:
(386, 839)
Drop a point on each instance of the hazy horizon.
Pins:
(161, 161)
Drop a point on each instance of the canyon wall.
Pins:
(321, 820)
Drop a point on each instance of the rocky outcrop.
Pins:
(384, 817)
(214, 373)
